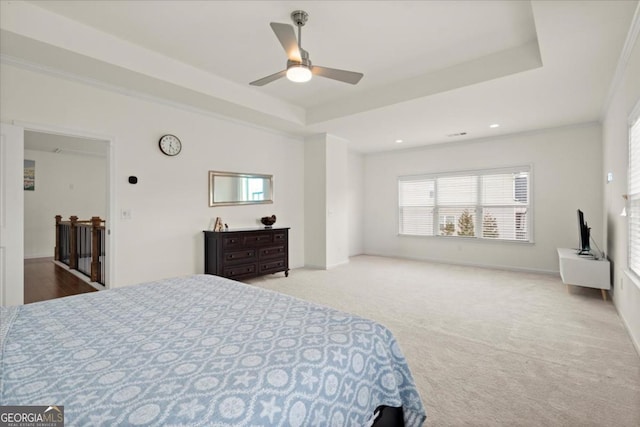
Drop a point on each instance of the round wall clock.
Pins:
(170, 145)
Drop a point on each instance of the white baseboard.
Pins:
(315, 267)
(469, 264)
(338, 264)
(630, 280)
(326, 267)
(635, 343)
(38, 256)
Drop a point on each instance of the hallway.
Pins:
(44, 280)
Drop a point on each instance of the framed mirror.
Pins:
(230, 188)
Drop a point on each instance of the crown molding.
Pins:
(623, 60)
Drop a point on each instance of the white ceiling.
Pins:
(62, 144)
(431, 68)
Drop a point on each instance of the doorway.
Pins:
(68, 176)
(74, 145)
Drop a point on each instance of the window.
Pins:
(255, 190)
(633, 196)
(520, 188)
(490, 204)
(417, 207)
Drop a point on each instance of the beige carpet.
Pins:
(490, 347)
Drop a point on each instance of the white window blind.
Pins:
(633, 197)
(416, 207)
(489, 204)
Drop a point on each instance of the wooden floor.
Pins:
(44, 280)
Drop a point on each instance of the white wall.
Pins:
(326, 201)
(169, 205)
(66, 184)
(567, 173)
(315, 201)
(626, 292)
(355, 202)
(337, 202)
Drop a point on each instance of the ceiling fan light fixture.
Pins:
(299, 68)
(298, 73)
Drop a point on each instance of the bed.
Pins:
(202, 351)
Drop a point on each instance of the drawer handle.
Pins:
(247, 270)
(234, 256)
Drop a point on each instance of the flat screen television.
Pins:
(585, 234)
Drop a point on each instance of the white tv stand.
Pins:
(586, 271)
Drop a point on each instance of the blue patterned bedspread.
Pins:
(201, 351)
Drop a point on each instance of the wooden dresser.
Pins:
(244, 253)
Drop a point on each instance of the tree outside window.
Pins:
(490, 226)
(465, 224)
(447, 225)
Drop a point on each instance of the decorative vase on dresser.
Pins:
(245, 253)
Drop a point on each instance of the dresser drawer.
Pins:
(232, 241)
(272, 266)
(239, 270)
(258, 239)
(272, 252)
(244, 255)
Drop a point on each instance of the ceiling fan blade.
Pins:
(350, 77)
(287, 37)
(263, 81)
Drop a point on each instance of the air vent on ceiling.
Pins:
(457, 134)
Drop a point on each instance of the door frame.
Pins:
(110, 243)
(11, 215)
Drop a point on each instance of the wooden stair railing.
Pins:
(80, 245)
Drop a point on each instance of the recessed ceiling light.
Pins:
(495, 125)
(399, 141)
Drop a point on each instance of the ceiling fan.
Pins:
(299, 68)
